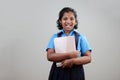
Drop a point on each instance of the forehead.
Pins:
(68, 14)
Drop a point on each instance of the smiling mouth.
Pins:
(68, 25)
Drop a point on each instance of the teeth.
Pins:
(68, 26)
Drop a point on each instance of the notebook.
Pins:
(64, 44)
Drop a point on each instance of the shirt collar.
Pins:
(70, 34)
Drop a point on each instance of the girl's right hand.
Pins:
(74, 54)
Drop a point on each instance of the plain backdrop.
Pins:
(26, 27)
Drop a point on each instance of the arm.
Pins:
(58, 57)
(86, 58)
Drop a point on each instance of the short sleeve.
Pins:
(51, 42)
(84, 45)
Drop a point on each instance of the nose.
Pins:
(68, 20)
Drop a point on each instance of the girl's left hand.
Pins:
(67, 63)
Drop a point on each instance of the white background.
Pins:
(26, 26)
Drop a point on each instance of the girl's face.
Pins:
(68, 21)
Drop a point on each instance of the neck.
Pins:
(67, 32)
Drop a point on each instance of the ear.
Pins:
(76, 22)
(60, 22)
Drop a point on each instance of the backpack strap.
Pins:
(59, 34)
(76, 37)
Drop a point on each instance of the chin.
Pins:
(69, 29)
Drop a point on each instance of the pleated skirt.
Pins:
(73, 73)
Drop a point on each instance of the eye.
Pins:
(72, 18)
(65, 18)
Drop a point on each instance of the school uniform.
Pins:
(76, 72)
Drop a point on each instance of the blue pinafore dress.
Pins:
(76, 72)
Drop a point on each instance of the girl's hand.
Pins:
(67, 63)
(74, 54)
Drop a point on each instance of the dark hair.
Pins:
(61, 13)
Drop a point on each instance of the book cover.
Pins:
(64, 44)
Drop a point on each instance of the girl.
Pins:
(72, 62)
